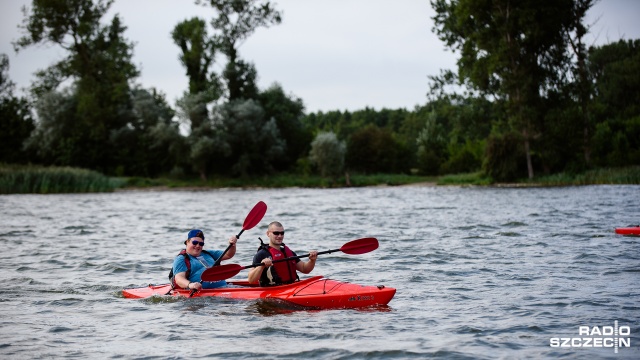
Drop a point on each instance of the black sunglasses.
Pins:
(277, 233)
(194, 242)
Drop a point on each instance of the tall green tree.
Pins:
(235, 21)
(615, 69)
(198, 55)
(98, 64)
(16, 122)
(198, 52)
(575, 31)
(510, 50)
(211, 151)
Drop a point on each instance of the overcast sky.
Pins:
(333, 54)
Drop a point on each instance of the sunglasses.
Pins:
(278, 233)
(194, 242)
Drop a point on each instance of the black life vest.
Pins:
(187, 261)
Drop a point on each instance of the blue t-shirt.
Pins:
(198, 266)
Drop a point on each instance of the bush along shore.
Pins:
(33, 179)
(18, 179)
(601, 176)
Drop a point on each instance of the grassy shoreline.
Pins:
(34, 179)
(23, 179)
(614, 176)
(281, 181)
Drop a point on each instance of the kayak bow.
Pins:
(315, 293)
(632, 230)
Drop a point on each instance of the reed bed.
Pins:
(32, 179)
(612, 176)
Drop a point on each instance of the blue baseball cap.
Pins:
(195, 233)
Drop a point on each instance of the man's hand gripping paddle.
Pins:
(254, 217)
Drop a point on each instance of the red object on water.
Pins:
(634, 230)
(315, 293)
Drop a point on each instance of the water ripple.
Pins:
(481, 273)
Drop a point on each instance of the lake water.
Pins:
(480, 273)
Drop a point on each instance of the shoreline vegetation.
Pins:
(33, 179)
(36, 179)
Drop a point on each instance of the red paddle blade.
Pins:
(255, 215)
(360, 246)
(220, 272)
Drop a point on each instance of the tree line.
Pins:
(528, 97)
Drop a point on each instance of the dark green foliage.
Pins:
(16, 122)
(632, 133)
(615, 68)
(238, 19)
(198, 52)
(57, 140)
(328, 154)
(244, 141)
(550, 104)
(513, 51)
(151, 145)
(432, 145)
(346, 123)
(504, 157)
(561, 145)
(463, 158)
(616, 109)
(328, 122)
(617, 143)
(581, 89)
(287, 110)
(375, 150)
(217, 145)
(235, 22)
(240, 77)
(429, 162)
(80, 121)
(16, 125)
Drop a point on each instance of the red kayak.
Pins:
(314, 293)
(633, 230)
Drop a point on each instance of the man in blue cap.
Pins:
(189, 265)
